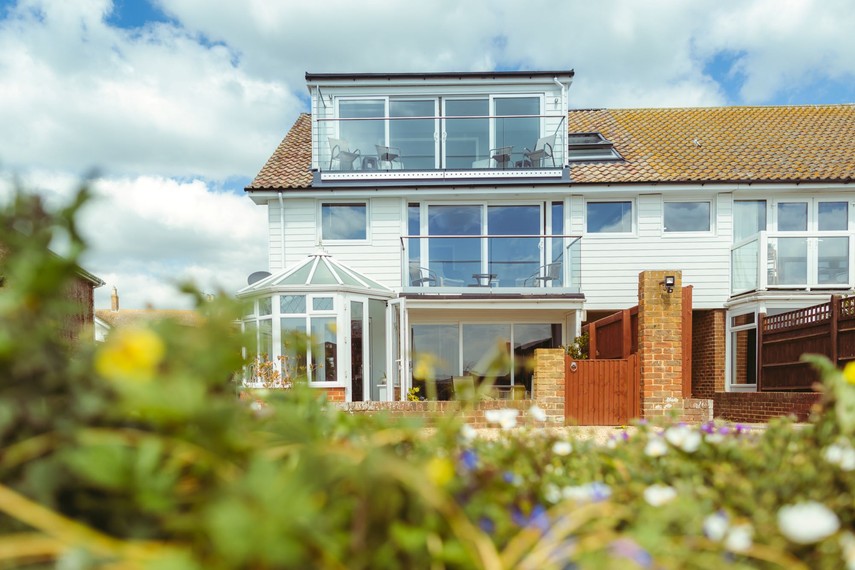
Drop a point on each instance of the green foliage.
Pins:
(139, 454)
(578, 349)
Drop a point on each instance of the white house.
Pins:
(440, 224)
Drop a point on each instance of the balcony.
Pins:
(492, 264)
(785, 260)
(441, 148)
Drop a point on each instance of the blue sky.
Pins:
(178, 103)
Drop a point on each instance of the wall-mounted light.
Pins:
(668, 283)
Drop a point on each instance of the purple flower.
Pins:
(508, 477)
(628, 548)
(487, 525)
(708, 427)
(469, 459)
(537, 519)
(724, 430)
(740, 429)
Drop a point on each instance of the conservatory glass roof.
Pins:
(317, 271)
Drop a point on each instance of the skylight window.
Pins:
(590, 146)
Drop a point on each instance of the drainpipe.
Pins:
(282, 227)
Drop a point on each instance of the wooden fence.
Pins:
(602, 392)
(827, 329)
(616, 336)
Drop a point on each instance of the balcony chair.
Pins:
(546, 274)
(340, 151)
(542, 149)
(421, 276)
(390, 155)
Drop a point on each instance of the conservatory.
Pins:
(320, 321)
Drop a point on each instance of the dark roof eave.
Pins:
(847, 180)
(435, 75)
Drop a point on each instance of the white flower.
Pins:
(506, 417)
(656, 447)
(683, 437)
(841, 454)
(847, 546)
(591, 492)
(714, 438)
(739, 538)
(807, 522)
(552, 493)
(716, 525)
(562, 447)
(468, 433)
(537, 413)
(657, 495)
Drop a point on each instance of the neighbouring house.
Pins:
(445, 225)
(80, 293)
(108, 319)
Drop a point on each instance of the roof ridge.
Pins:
(716, 107)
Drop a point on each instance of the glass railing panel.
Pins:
(788, 261)
(744, 260)
(424, 143)
(508, 261)
(833, 261)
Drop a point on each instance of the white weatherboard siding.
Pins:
(611, 263)
(378, 258)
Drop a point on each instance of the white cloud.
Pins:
(170, 110)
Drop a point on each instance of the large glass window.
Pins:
(324, 349)
(467, 140)
(455, 260)
(487, 352)
(344, 221)
(687, 216)
(517, 132)
(361, 134)
(749, 218)
(413, 137)
(609, 217)
(513, 260)
(479, 350)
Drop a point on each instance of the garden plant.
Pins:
(141, 453)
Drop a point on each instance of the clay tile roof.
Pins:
(290, 165)
(814, 143)
(722, 144)
(128, 317)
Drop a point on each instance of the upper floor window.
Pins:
(609, 217)
(749, 218)
(687, 216)
(344, 221)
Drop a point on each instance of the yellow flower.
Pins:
(130, 354)
(849, 373)
(424, 369)
(440, 470)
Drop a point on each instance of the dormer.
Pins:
(416, 128)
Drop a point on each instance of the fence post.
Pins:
(626, 336)
(835, 328)
(761, 325)
(592, 341)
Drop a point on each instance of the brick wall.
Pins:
(708, 352)
(660, 353)
(335, 394)
(752, 407)
(548, 383)
(472, 413)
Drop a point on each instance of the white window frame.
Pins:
(730, 353)
(690, 233)
(611, 235)
(320, 218)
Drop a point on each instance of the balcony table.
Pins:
(483, 279)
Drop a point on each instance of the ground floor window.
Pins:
(496, 352)
(743, 352)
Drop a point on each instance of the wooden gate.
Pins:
(602, 392)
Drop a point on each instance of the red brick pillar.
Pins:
(660, 351)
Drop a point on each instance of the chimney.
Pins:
(114, 300)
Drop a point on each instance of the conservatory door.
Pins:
(358, 349)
